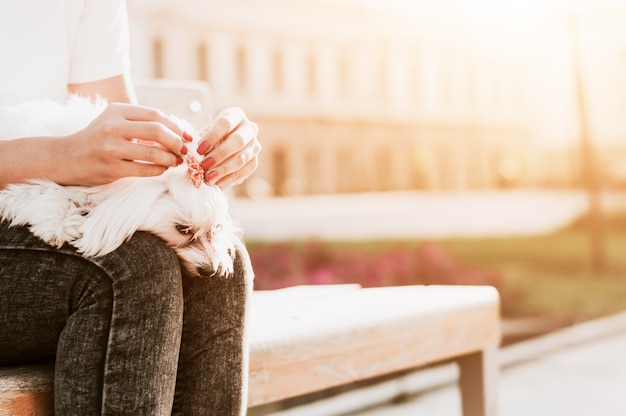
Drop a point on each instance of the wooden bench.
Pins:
(309, 338)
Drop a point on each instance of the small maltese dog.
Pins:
(191, 216)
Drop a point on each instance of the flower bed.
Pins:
(314, 262)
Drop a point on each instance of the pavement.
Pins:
(584, 380)
(409, 214)
(576, 371)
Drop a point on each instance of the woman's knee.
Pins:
(242, 266)
(146, 266)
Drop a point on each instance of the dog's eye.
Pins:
(184, 229)
(216, 228)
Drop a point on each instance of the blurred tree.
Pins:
(589, 169)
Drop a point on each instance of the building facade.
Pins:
(350, 97)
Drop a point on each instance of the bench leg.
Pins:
(478, 373)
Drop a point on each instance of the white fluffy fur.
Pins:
(195, 222)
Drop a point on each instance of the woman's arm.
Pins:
(118, 89)
(104, 150)
(32, 157)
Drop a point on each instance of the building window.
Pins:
(202, 58)
(313, 171)
(311, 74)
(471, 97)
(241, 66)
(414, 79)
(622, 72)
(448, 91)
(384, 166)
(383, 71)
(157, 58)
(496, 91)
(346, 180)
(279, 171)
(277, 71)
(343, 81)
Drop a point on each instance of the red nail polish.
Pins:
(184, 150)
(208, 163)
(179, 160)
(210, 176)
(187, 137)
(204, 147)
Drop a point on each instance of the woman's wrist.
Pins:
(35, 158)
(58, 160)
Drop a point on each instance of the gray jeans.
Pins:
(130, 334)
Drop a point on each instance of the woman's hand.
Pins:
(125, 140)
(230, 148)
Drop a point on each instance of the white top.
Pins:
(47, 44)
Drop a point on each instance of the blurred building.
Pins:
(351, 96)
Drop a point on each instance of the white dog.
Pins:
(193, 218)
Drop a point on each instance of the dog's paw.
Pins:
(102, 235)
(16, 204)
(55, 236)
(223, 263)
(216, 267)
(53, 213)
(90, 247)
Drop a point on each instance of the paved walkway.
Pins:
(587, 380)
(408, 214)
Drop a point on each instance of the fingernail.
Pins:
(184, 150)
(179, 160)
(187, 137)
(210, 176)
(208, 163)
(204, 147)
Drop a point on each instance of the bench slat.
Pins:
(26, 390)
(330, 341)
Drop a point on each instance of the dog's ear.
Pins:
(120, 210)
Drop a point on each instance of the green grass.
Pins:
(545, 275)
(551, 275)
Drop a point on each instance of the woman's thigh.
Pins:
(39, 288)
(213, 362)
(114, 323)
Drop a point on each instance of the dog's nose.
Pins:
(205, 271)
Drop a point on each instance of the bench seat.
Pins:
(309, 338)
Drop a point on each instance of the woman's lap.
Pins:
(115, 323)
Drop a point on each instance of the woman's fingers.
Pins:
(140, 113)
(233, 143)
(157, 134)
(231, 148)
(237, 177)
(127, 140)
(133, 168)
(131, 140)
(233, 165)
(226, 122)
(149, 153)
(150, 125)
